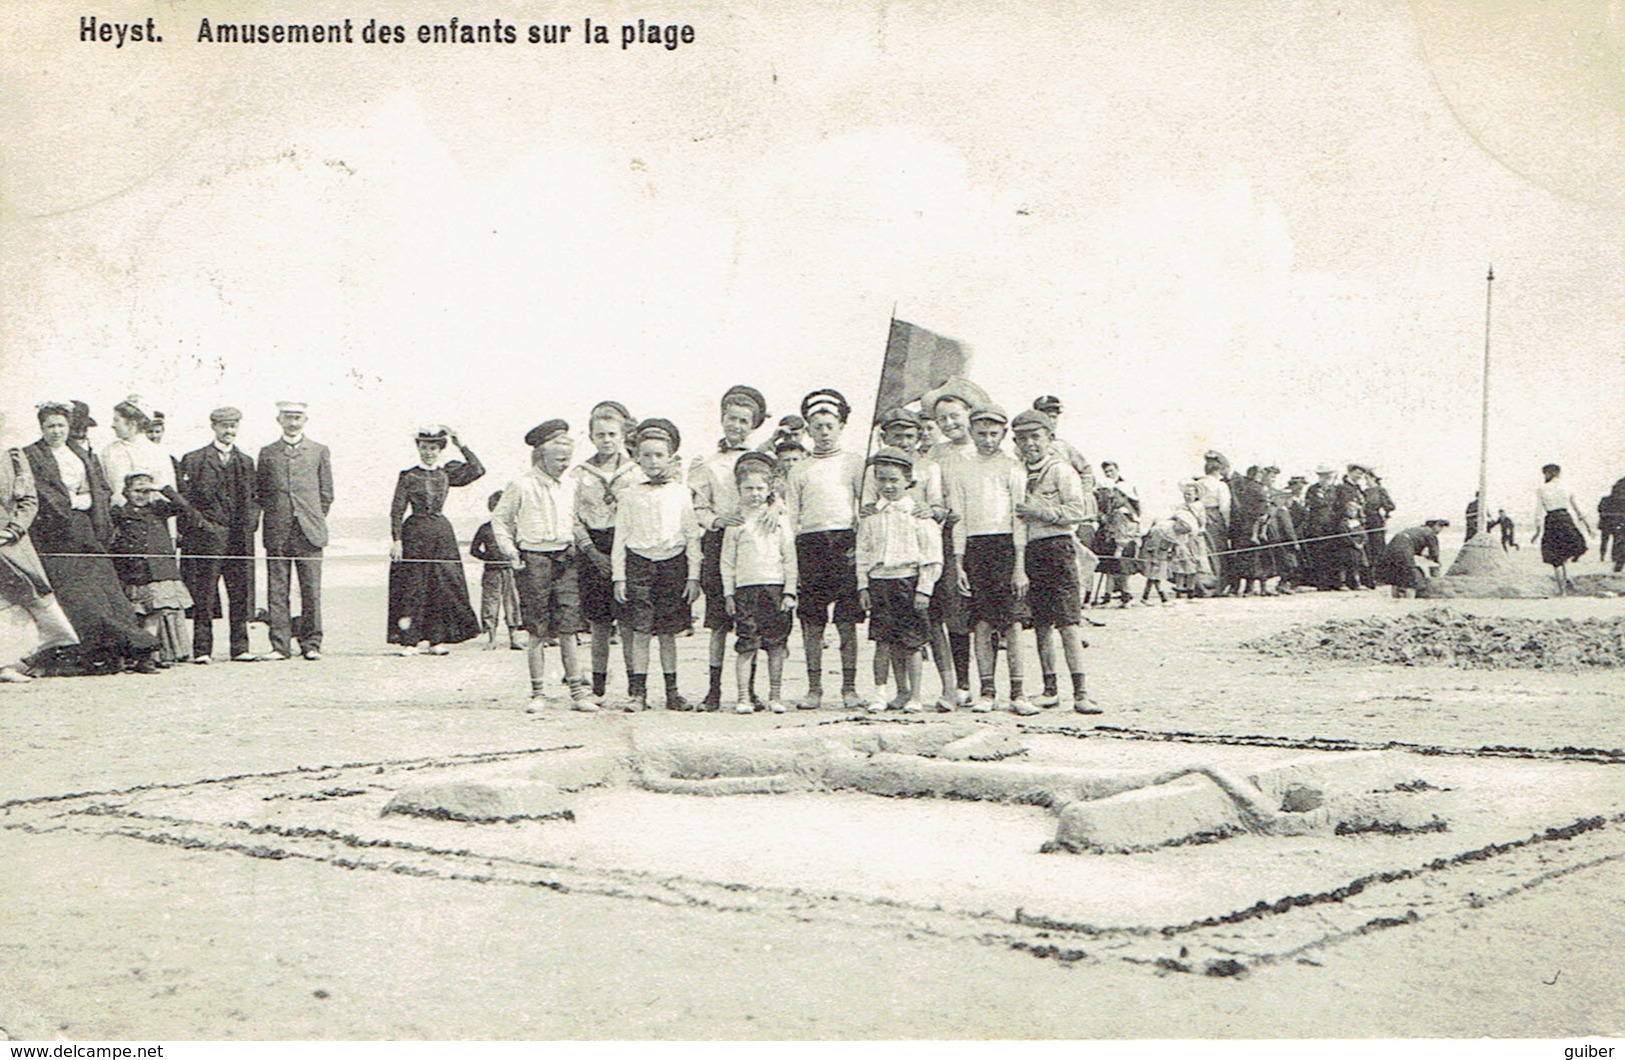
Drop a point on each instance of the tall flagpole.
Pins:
(1484, 416)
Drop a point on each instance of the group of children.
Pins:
(937, 545)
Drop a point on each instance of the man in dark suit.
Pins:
(294, 489)
(218, 481)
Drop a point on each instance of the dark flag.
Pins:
(917, 360)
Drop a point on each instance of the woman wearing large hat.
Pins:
(428, 594)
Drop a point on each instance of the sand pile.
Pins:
(1442, 637)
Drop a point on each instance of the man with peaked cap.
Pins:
(218, 544)
(1320, 499)
(716, 507)
(294, 490)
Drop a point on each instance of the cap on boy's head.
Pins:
(491, 501)
(225, 414)
(1048, 403)
(614, 408)
(1325, 469)
(960, 389)
(792, 422)
(747, 396)
(156, 417)
(664, 430)
(1359, 467)
(754, 462)
(1297, 480)
(545, 432)
(899, 417)
(136, 480)
(1437, 524)
(788, 443)
(826, 400)
(1030, 420)
(79, 418)
(292, 406)
(432, 432)
(988, 413)
(892, 456)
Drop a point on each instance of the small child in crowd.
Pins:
(899, 558)
(145, 559)
(758, 567)
(499, 597)
(655, 559)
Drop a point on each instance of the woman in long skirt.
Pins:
(1555, 513)
(76, 563)
(428, 594)
(31, 619)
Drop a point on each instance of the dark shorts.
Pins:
(949, 608)
(654, 595)
(757, 619)
(1052, 577)
(990, 561)
(827, 573)
(549, 593)
(597, 591)
(893, 621)
(716, 607)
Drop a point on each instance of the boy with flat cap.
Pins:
(294, 489)
(716, 506)
(217, 544)
(899, 558)
(535, 527)
(1051, 513)
(759, 579)
(985, 490)
(656, 559)
(821, 496)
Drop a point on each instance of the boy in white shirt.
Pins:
(821, 495)
(984, 491)
(534, 526)
(898, 562)
(655, 559)
(758, 570)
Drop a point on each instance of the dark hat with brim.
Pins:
(754, 460)
(989, 412)
(545, 432)
(899, 417)
(747, 396)
(664, 430)
(1031, 420)
(894, 457)
(1048, 403)
(826, 400)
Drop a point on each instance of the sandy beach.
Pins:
(200, 854)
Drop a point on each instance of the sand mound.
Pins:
(1442, 637)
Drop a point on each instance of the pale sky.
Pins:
(1258, 227)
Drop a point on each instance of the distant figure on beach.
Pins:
(1555, 514)
(1396, 565)
(1611, 525)
(1509, 529)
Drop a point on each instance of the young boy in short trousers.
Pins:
(900, 429)
(716, 506)
(758, 571)
(599, 481)
(1051, 513)
(821, 496)
(899, 558)
(985, 491)
(655, 559)
(499, 596)
(534, 524)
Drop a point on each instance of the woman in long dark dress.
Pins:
(87, 586)
(428, 594)
(1555, 514)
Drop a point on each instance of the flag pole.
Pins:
(1484, 416)
(869, 435)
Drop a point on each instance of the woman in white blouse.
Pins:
(1555, 514)
(133, 451)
